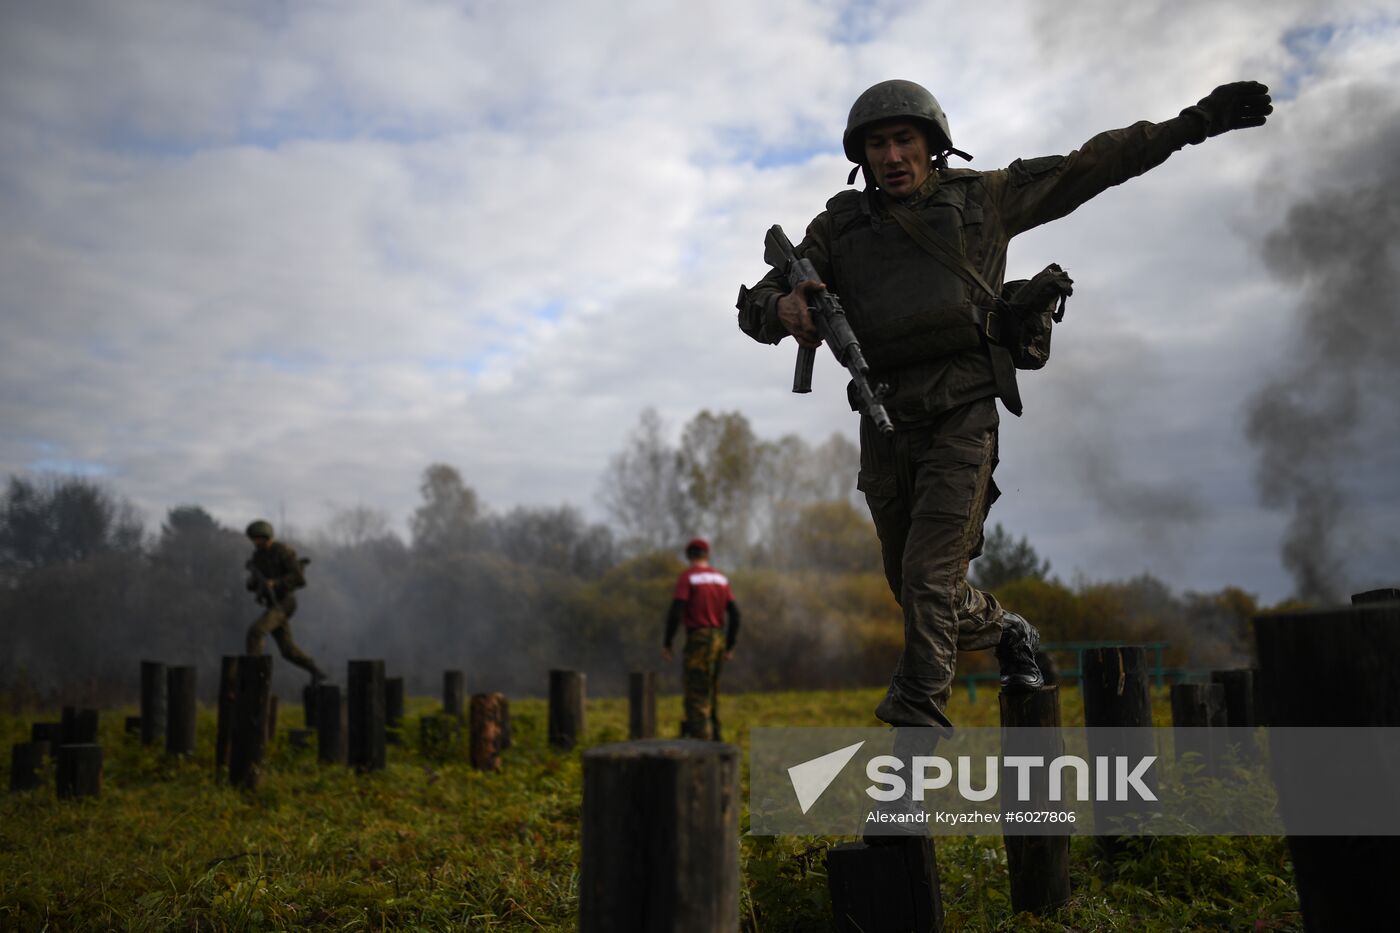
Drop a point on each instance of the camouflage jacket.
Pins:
(1008, 201)
(279, 565)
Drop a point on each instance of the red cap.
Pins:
(698, 544)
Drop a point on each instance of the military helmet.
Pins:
(259, 529)
(891, 100)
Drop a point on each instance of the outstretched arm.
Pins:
(1035, 191)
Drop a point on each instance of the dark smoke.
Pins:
(1337, 246)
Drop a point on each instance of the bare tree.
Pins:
(642, 489)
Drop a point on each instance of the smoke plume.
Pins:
(1339, 247)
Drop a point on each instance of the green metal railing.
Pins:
(1158, 672)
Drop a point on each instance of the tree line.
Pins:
(87, 590)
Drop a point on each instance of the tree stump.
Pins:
(79, 726)
(1038, 864)
(272, 704)
(308, 707)
(566, 708)
(1198, 710)
(1388, 595)
(330, 725)
(885, 888)
(26, 761)
(487, 730)
(365, 683)
(249, 745)
(1335, 668)
(1118, 712)
(228, 705)
(79, 771)
(660, 838)
(393, 710)
(182, 712)
(641, 704)
(454, 693)
(1239, 696)
(51, 732)
(152, 702)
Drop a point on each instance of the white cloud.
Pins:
(259, 254)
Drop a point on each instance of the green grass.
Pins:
(439, 846)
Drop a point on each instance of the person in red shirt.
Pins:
(702, 601)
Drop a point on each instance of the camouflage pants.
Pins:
(929, 490)
(704, 656)
(277, 623)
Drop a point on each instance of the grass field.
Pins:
(433, 846)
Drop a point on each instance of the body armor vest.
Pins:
(905, 306)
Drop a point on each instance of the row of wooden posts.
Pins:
(662, 816)
(350, 727)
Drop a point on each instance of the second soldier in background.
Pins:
(703, 601)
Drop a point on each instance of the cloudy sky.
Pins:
(274, 258)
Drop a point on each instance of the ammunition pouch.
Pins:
(1026, 313)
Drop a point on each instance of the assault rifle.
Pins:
(832, 326)
(263, 590)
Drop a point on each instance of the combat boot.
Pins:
(1016, 654)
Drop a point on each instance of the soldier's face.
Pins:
(261, 543)
(898, 156)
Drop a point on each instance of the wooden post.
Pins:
(641, 704)
(1038, 865)
(393, 710)
(486, 730)
(365, 684)
(454, 692)
(26, 760)
(79, 726)
(1388, 595)
(152, 702)
(272, 704)
(505, 721)
(79, 771)
(181, 714)
(660, 816)
(330, 725)
(1239, 696)
(249, 743)
(1118, 712)
(308, 707)
(1335, 668)
(51, 732)
(228, 705)
(566, 708)
(1196, 708)
(885, 887)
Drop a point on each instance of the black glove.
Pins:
(1232, 107)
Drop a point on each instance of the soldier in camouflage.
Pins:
(925, 327)
(274, 571)
(702, 600)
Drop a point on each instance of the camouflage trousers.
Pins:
(701, 663)
(278, 624)
(929, 490)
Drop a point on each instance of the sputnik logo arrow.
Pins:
(811, 778)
